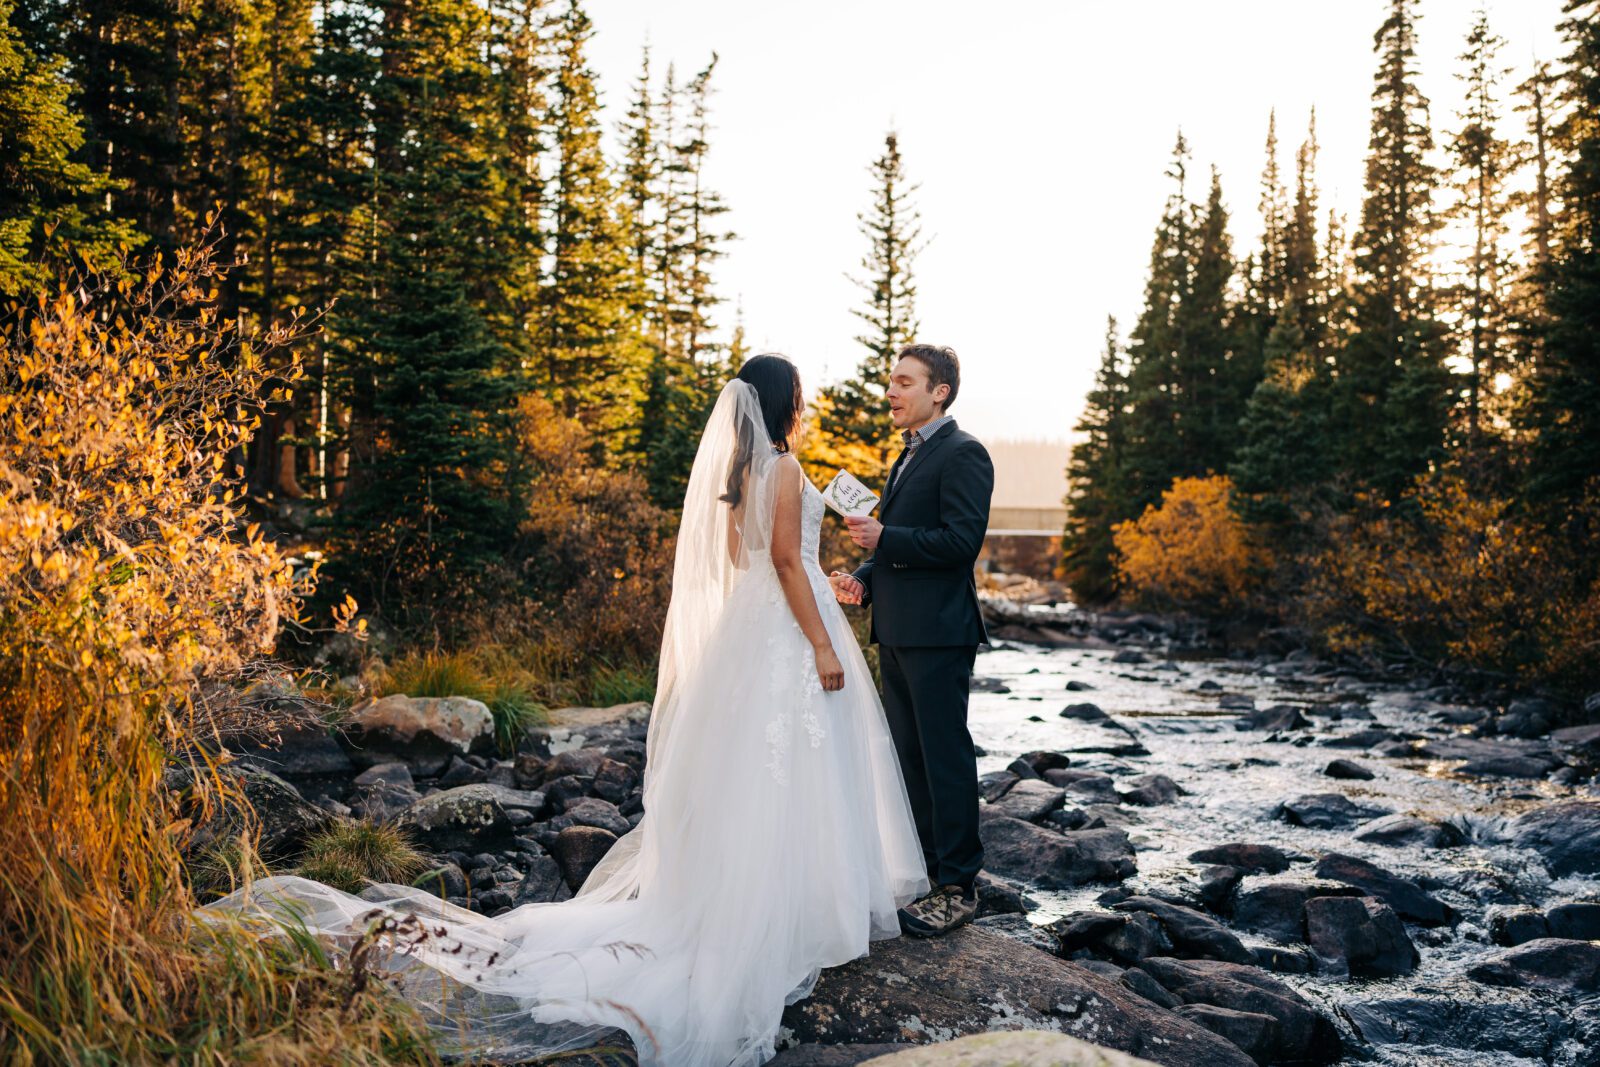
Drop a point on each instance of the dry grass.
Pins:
(349, 855)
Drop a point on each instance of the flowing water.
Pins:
(1235, 780)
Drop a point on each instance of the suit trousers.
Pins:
(925, 700)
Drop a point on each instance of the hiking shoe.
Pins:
(941, 911)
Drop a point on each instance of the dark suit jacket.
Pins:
(919, 581)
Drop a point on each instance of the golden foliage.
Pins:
(125, 587)
(1191, 550)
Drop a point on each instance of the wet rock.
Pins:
(592, 811)
(1340, 712)
(445, 881)
(467, 816)
(1194, 934)
(1579, 921)
(1565, 834)
(1407, 831)
(1149, 790)
(988, 685)
(1129, 655)
(973, 980)
(1284, 959)
(577, 849)
(994, 785)
(1217, 884)
(1255, 1034)
(1517, 925)
(1209, 685)
(1303, 1034)
(1236, 702)
(1030, 800)
(1326, 811)
(614, 780)
(1093, 789)
(996, 896)
(1529, 717)
(1362, 935)
(1250, 858)
(1362, 738)
(1054, 859)
(1407, 898)
(1493, 758)
(1075, 686)
(543, 882)
(1579, 744)
(1274, 719)
(1557, 964)
(1348, 769)
(1276, 907)
(421, 731)
(1147, 987)
(1042, 760)
(1022, 768)
(1461, 1016)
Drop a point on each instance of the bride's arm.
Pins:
(789, 562)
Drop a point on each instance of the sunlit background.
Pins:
(1039, 132)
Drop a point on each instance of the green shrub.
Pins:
(348, 855)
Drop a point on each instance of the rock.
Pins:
(973, 980)
(988, 685)
(592, 811)
(1460, 1017)
(1565, 834)
(459, 772)
(1511, 765)
(1150, 989)
(1129, 655)
(1348, 769)
(1089, 788)
(1019, 929)
(421, 731)
(1528, 717)
(1014, 1048)
(1407, 898)
(394, 773)
(577, 849)
(494, 901)
(284, 818)
(1277, 717)
(1362, 738)
(1217, 884)
(542, 883)
(1303, 1034)
(1209, 685)
(1255, 1034)
(1326, 811)
(1404, 831)
(1276, 907)
(1085, 713)
(467, 816)
(1193, 934)
(996, 896)
(1236, 702)
(995, 784)
(1042, 760)
(1579, 743)
(1022, 768)
(1553, 963)
(1053, 859)
(1360, 934)
(1030, 799)
(1252, 859)
(1578, 921)
(299, 748)
(1150, 790)
(614, 780)
(1075, 686)
(1100, 733)
(1517, 926)
(814, 1055)
(443, 881)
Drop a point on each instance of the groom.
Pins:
(925, 620)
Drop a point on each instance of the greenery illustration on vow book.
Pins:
(846, 495)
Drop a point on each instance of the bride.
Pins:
(777, 837)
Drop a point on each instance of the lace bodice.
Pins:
(812, 508)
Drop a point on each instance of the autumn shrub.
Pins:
(1190, 551)
(126, 586)
(1455, 573)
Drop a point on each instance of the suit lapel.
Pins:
(912, 464)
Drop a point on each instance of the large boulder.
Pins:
(283, 819)
(1566, 834)
(973, 981)
(1192, 933)
(421, 731)
(1547, 963)
(1302, 1034)
(1276, 907)
(1031, 799)
(469, 817)
(1403, 831)
(1361, 935)
(1054, 859)
(1326, 811)
(1250, 858)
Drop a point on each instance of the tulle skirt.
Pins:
(777, 840)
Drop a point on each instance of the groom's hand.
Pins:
(847, 588)
(864, 531)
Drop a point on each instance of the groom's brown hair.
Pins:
(943, 367)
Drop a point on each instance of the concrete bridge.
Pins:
(1030, 481)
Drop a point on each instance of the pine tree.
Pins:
(1097, 495)
(1484, 161)
(428, 510)
(1562, 410)
(594, 368)
(853, 410)
(1393, 391)
(1213, 381)
(44, 188)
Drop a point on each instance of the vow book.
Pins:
(846, 495)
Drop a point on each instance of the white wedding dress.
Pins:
(777, 837)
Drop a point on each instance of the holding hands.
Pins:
(847, 588)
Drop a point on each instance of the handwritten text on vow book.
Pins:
(846, 495)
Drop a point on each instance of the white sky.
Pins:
(1040, 132)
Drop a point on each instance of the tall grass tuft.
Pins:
(492, 674)
(349, 855)
(126, 586)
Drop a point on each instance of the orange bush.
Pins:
(1189, 551)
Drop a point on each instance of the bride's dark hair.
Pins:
(777, 386)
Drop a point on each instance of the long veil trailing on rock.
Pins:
(776, 837)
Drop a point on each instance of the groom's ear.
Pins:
(941, 395)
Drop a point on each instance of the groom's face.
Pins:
(911, 401)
